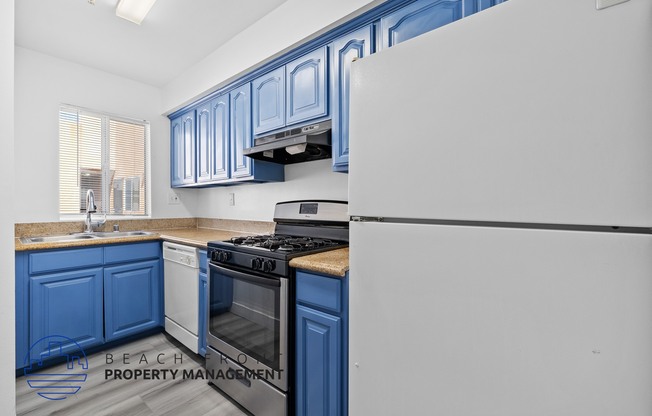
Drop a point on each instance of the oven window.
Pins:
(245, 315)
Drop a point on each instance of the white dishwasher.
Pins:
(181, 278)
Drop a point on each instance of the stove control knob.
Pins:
(223, 256)
(256, 263)
(215, 255)
(269, 266)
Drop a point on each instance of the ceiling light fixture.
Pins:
(134, 10)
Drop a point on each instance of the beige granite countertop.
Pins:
(182, 231)
(197, 237)
(334, 262)
(19, 246)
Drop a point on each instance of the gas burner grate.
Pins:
(283, 243)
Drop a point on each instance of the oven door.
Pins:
(248, 321)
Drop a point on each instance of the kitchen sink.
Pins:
(114, 234)
(83, 236)
(57, 238)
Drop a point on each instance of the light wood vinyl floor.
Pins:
(100, 396)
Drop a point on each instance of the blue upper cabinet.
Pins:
(297, 88)
(474, 6)
(343, 51)
(417, 18)
(176, 152)
(220, 147)
(269, 101)
(241, 131)
(204, 133)
(306, 94)
(208, 143)
(182, 151)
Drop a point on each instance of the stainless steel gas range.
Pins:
(251, 303)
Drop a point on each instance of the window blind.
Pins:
(107, 154)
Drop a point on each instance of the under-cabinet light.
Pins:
(134, 10)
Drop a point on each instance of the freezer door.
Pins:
(495, 118)
(492, 321)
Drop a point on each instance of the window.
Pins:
(107, 154)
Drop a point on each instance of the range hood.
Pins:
(299, 144)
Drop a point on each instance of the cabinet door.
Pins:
(419, 17)
(474, 6)
(182, 156)
(132, 298)
(269, 101)
(204, 142)
(344, 51)
(306, 87)
(220, 138)
(176, 152)
(203, 312)
(69, 305)
(241, 166)
(319, 358)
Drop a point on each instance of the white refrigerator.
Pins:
(500, 190)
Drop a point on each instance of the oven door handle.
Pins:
(264, 281)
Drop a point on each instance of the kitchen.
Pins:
(35, 195)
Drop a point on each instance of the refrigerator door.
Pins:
(495, 118)
(493, 321)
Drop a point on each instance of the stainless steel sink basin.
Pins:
(57, 238)
(114, 234)
(83, 236)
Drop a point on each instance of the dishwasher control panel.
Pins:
(181, 254)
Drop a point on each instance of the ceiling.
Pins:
(175, 35)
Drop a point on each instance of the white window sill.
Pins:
(97, 217)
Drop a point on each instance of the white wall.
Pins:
(38, 97)
(42, 83)
(308, 180)
(290, 23)
(7, 318)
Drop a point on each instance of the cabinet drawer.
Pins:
(131, 252)
(320, 291)
(49, 261)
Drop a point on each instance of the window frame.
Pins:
(105, 163)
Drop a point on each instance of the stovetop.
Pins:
(285, 243)
(302, 228)
(279, 246)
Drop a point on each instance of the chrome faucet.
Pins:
(90, 208)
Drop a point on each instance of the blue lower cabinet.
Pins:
(319, 357)
(321, 344)
(132, 298)
(203, 302)
(75, 298)
(65, 312)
